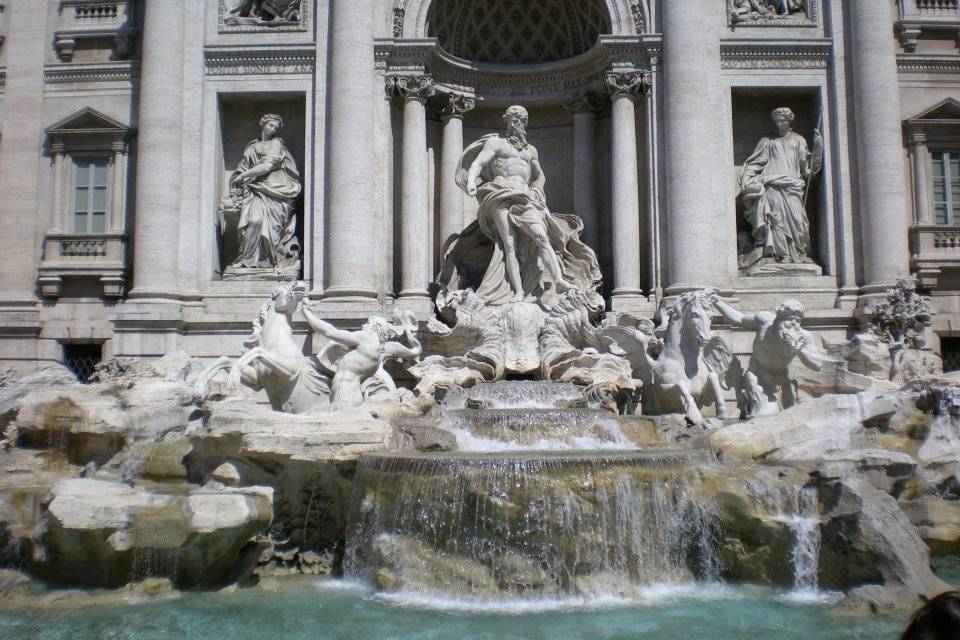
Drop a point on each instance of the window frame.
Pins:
(107, 187)
(944, 157)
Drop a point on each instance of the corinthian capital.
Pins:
(630, 83)
(415, 87)
(454, 106)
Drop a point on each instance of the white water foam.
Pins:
(615, 440)
(647, 595)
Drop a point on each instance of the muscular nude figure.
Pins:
(367, 350)
(779, 339)
(507, 180)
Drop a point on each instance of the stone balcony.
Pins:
(89, 255)
(936, 249)
(79, 20)
(918, 16)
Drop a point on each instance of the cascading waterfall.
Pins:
(531, 525)
(796, 507)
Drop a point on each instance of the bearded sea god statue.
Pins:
(519, 291)
(534, 251)
(774, 184)
(263, 191)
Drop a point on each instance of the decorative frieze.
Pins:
(238, 61)
(928, 63)
(91, 72)
(262, 16)
(399, 11)
(765, 54)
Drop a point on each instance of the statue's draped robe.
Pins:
(578, 263)
(266, 228)
(772, 183)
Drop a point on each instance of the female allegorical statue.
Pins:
(773, 184)
(264, 188)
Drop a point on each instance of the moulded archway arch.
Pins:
(624, 16)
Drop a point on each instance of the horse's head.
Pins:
(286, 297)
(694, 309)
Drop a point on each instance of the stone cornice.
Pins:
(528, 82)
(124, 71)
(814, 53)
(928, 63)
(238, 61)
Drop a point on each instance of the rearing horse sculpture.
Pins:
(273, 361)
(686, 375)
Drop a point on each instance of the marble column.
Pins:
(584, 108)
(159, 149)
(414, 186)
(921, 194)
(701, 226)
(351, 250)
(451, 198)
(625, 194)
(884, 219)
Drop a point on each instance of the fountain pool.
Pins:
(334, 610)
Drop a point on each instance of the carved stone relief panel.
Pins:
(263, 15)
(772, 13)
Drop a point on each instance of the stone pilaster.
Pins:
(23, 113)
(625, 195)
(919, 158)
(159, 149)
(701, 232)
(59, 219)
(414, 187)
(118, 162)
(584, 107)
(884, 220)
(451, 214)
(351, 251)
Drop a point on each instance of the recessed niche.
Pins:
(752, 121)
(240, 116)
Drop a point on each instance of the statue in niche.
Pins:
(741, 11)
(262, 12)
(348, 371)
(263, 191)
(765, 388)
(774, 185)
(534, 251)
(357, 358)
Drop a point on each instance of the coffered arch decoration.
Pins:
(414, 18)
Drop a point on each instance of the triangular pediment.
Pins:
(87, 120)
(945, 110)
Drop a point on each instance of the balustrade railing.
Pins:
(938, 7)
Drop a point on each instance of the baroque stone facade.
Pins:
(647, 116)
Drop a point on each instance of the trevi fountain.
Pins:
(504, 453)
(524, 464)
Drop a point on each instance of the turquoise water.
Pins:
(328, 611)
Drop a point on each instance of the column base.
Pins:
(351, 292)
(631, 301)
(146, 294)
(418, 302)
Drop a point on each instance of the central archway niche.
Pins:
(539, 55)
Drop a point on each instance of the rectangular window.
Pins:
(946, 187)
(90, 195)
